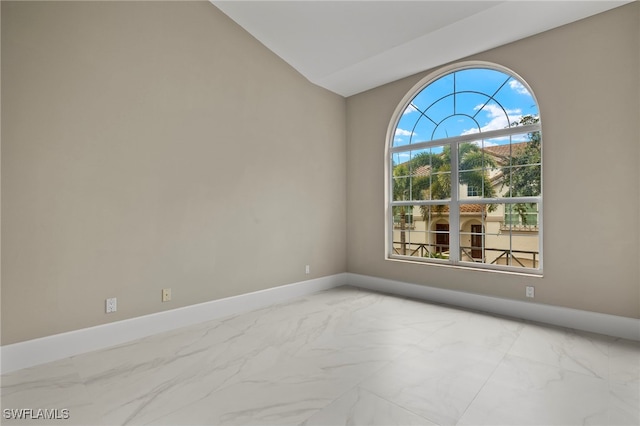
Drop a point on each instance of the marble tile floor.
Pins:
(345, 356)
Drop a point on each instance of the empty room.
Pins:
(320, 213)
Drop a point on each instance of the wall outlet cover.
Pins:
(166, 294)
(530, 291)
(111, 305)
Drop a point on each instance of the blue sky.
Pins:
(484, 100)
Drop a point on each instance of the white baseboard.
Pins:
(51, 348)
(611, 325)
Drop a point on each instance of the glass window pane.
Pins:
(525, 249)
(420, 168)
(477, 183)
(401, 168)
(466, 105)
(398, 159)
(522, 216)
(410, 225)
(441, 109)
(494, 116)
(515, 96)
(525, 149)
(471, 184)
(421, 188)
(440, 186)
(483, 80)
(420, 162)
(402, 226)
(417, 244)
(405, 128)
(497, 151)
(471, 157)
(401, 188)
(524, 181)
(434, 91)
(423, 130)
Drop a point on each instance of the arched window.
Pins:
(464, 171)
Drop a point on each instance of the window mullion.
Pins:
(420, 202)
(516, 130)
(454, 209)
(500, 200)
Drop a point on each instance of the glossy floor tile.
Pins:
(343, 357)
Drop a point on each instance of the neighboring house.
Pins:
(485, 233)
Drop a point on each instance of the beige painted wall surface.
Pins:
(156, 144)
(586, 78)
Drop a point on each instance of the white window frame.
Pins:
(455, 201)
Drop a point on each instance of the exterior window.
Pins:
(523, 215)
(464, 168)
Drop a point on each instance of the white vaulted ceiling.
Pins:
(352, 46)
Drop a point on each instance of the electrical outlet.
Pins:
(111, 305)
(307, 269)
(530, 291)
(166, 294)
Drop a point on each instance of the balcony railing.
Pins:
(442, 251)
(408, 225)
(518, 227)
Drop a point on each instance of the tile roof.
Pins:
(505, 151)
(472, 208)
(467, 208)
(422, 171)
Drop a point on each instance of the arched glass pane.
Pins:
(468, 101)
(423, 129)
(483, 80)
(493, 116)
(436, 90)
(441, 109)
(515, 97)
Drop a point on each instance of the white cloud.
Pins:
(486, 144)
(400, 158)
(497, 118)
(409, 109)
(402, 132)
(518, 87)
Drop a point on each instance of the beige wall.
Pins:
(156, 144)
(586, 78)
